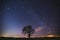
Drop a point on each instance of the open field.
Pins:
(44, 38)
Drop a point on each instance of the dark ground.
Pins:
(50, 38)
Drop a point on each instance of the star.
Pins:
(8, 8)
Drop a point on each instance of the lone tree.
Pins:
(28, 30)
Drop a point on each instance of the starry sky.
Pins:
(18, 13)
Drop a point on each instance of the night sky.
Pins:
(18, 13)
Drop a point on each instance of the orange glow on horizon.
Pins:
(50, 36)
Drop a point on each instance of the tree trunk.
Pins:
(29, 35)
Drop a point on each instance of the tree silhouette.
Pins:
(28, 30)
